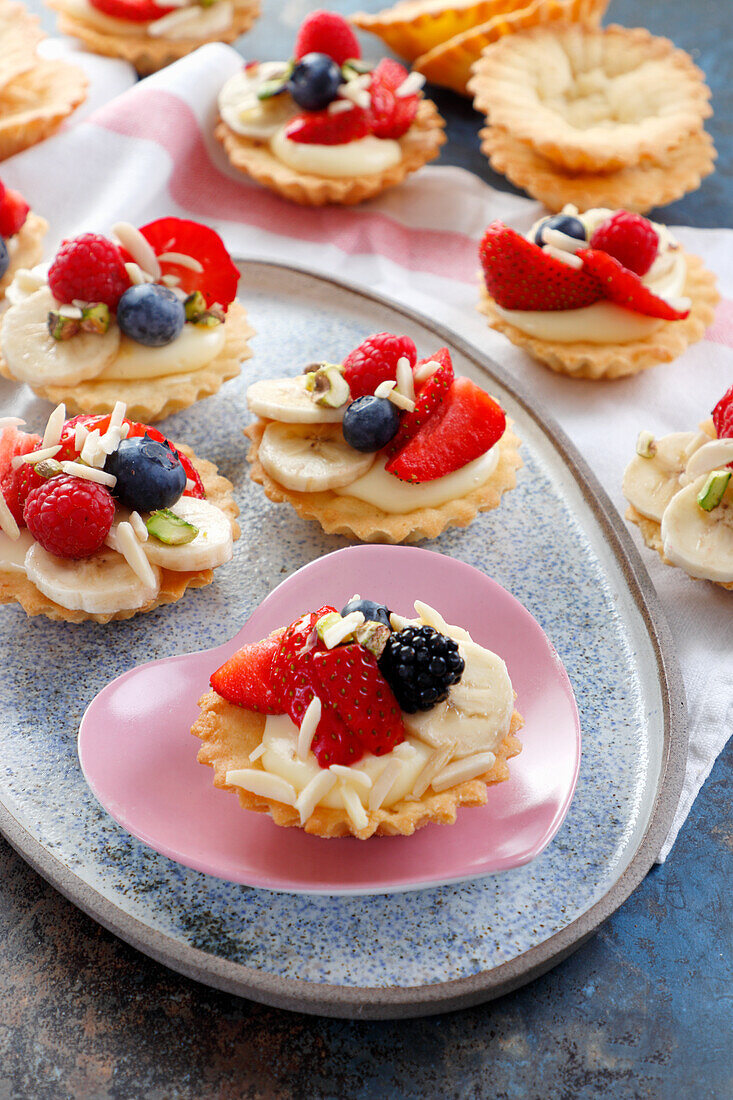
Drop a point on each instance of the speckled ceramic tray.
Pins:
(555, 543)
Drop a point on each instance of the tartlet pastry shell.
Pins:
(419, 145)
(503, 90)
(28, 248)
(451, 62)
(36, 102)
(145, 53)
(20, 34)
(229, 734)
(639, 188)
(340, 515)
(651, 532)
(15, 587)
(585, 360)
(151, 399)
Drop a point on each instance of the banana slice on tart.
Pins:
(680, 492)
(103, 517)
(381, 446)
(360, 722)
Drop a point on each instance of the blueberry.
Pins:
(315, 81)
(149, 474)
(370, 423)
(564, 223)
(374, 612)
(150, 314)
(4, 257)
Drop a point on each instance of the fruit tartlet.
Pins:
(103, 517)
(148, 318)
(152, 33)
(21, 236)
(680, 495)
(326, 127)
(360, 722)
(607, 116)
(596, 295)
(382, 447)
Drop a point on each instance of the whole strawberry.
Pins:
(630, 239)
(375, 361)
(88, 268)
(327, 32)
(723, 415)
(69, 516)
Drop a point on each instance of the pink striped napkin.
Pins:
(150, 151)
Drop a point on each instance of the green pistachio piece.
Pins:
(95, 318)
(194, 304)
(48, 467)
(712, 491)
(323, 623)
(646, 446)
(276, 85)
(62, 328)
(167, 527)
(354, 67)
(328, 386)
(373, 636)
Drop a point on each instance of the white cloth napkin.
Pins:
(150, 151)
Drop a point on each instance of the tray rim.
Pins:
(392, 1002)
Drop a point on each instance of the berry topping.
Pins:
(323, 128)
(370, 422)
(626, 289)
(391, 115)
(465, 426)
(89, 268)
(70, 516)
(150, 314)
(215, 275)
(134, 11)
(420, 665)
(4, 257)
(519, 275)
(291, 668)
(327, 32)
(630, 239)
(149, 474)
(374, 612)
(375, 361)
(430, 396)
(246, 678)
(13, 212)
(15, 485)
(723, 416)
(349, 683)
(561, 223)
(315, 81)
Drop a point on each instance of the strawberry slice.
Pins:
(625, 288)
(134, 11)
(429, 398)
(13, 212)
(722, 416)
(246, 678)
(520, 275)
(15, 485)
(350, 685)
(391, 115)
(218, 278)
(323, 128)
(464, 426)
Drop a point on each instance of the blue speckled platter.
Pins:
(555, 543)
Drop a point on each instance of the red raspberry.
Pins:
(90, 268)
(630, 239)
(70, 516)
(327, 32)
(13, 212)
(391, 115)
(375, 361)
(723, 415)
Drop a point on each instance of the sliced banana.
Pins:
(32, 354)
(477, 713)
(700, 542)
(650, 483)
(211, 547)
(249, 116)
(287, 400)
(311, 458)
(99, 585)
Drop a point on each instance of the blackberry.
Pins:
(419, 664)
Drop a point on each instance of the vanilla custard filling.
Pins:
(192, 350)
(364, 157)
(205, 21)
(13, 551)
(389, 494)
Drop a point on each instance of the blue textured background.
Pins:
(642, 1010)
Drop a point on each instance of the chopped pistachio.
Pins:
(95, 318)
(62, 328)
(48, 467)
(167, 527)
(194, 304)
(328, 386)
(646, 446)
(373, 636)
(712, 491)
